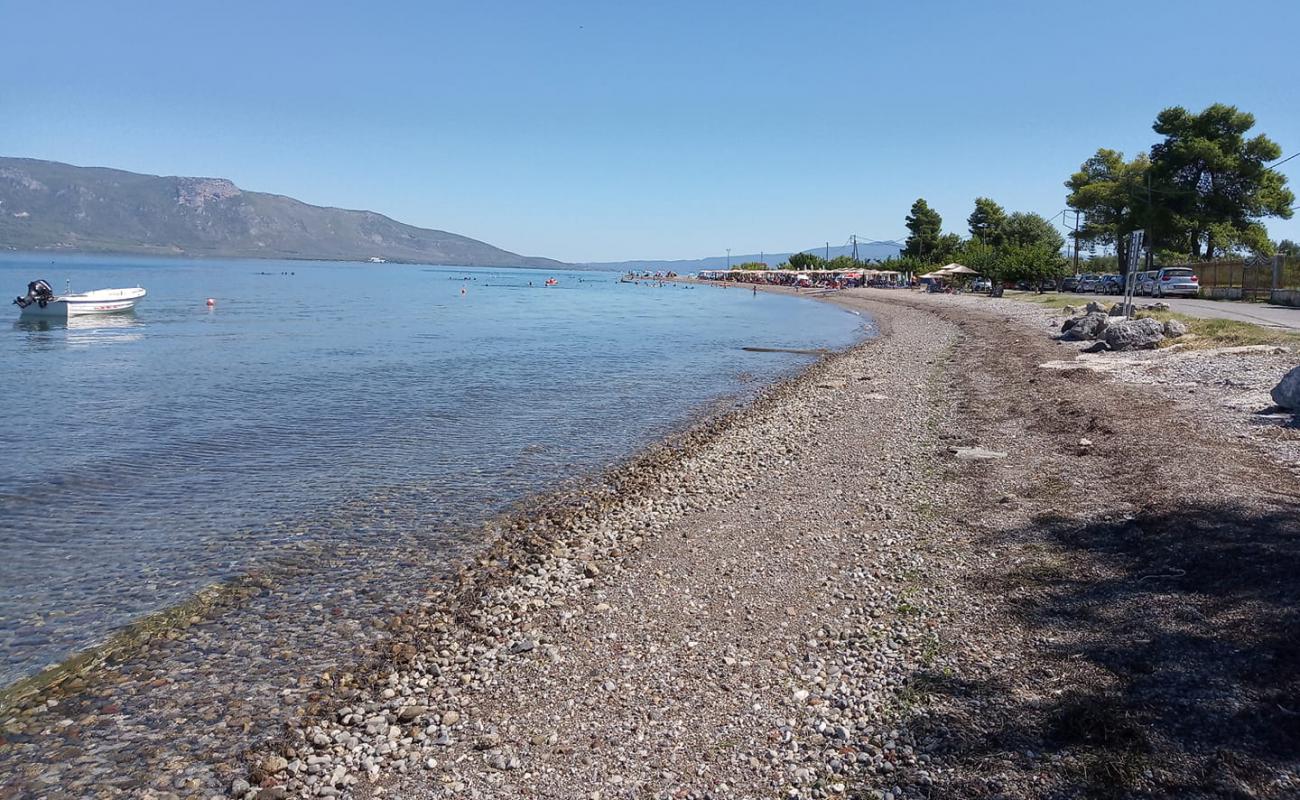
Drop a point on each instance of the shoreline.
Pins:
(219, 594)
(872, 580)
(511, 535)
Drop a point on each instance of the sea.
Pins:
(146, 455)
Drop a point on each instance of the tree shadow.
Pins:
(1163, 658)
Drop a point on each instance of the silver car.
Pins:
(1175, 281)
(1146, 283)
(1088, 283)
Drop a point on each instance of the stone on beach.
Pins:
(977, 454)
(1089, 326)
(1287, 392)
(411, 713)
(1134, 334)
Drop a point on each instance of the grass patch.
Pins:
(1056, 299)
(1225, 332)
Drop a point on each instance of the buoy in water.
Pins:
(462, 290)
(211, 302)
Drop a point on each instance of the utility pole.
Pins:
(1146, 228)
(855, 248)
(1076, 241)
(728, 258)
(828, 251)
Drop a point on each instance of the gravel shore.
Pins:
(930, 566)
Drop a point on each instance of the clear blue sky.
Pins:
(616, 130)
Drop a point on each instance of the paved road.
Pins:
(1258, 313)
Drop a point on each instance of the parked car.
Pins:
(1111, 284)
(1087, 283)
(1070, 283)
(981, 285)
(1142, 282)
(1176, 280)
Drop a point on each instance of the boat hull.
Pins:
(103, 301)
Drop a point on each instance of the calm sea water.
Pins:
(144, 456)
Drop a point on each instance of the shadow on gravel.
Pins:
(1168, 659)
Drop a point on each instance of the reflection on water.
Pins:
(84, 330)
(322, 406)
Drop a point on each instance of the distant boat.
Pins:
(42, 303)
(552, 282)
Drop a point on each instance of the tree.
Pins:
(1212, 182)
(806, 262)
(1034, 262)
(1031, 230)
(1111, 193)
(947, 248)
(751, 265)
(842, 262)
(987, 222)
(924, 224)
(1288, 248)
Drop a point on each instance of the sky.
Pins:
(606, 131)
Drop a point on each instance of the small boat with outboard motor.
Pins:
(42, 303)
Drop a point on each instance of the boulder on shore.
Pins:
(1287, 393)
(1089, 326)
(1094, 307)
(1175, 328)
(1134, 334)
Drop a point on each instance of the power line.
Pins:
(1283, 161)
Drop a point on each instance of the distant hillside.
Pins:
(876, 251)
(45, 205)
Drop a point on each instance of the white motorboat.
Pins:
(42, 303)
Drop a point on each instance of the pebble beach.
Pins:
(761, 606)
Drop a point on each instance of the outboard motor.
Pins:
(38, 292)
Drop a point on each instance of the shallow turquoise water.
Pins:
(144, 456)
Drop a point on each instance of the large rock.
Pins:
(1287, 393)
(1175, 328)
(1134, 334)
(1090, 326)
(1097, 308)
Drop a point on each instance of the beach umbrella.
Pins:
(958, 269)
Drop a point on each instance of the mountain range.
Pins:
(47, 205)
(51, 206)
